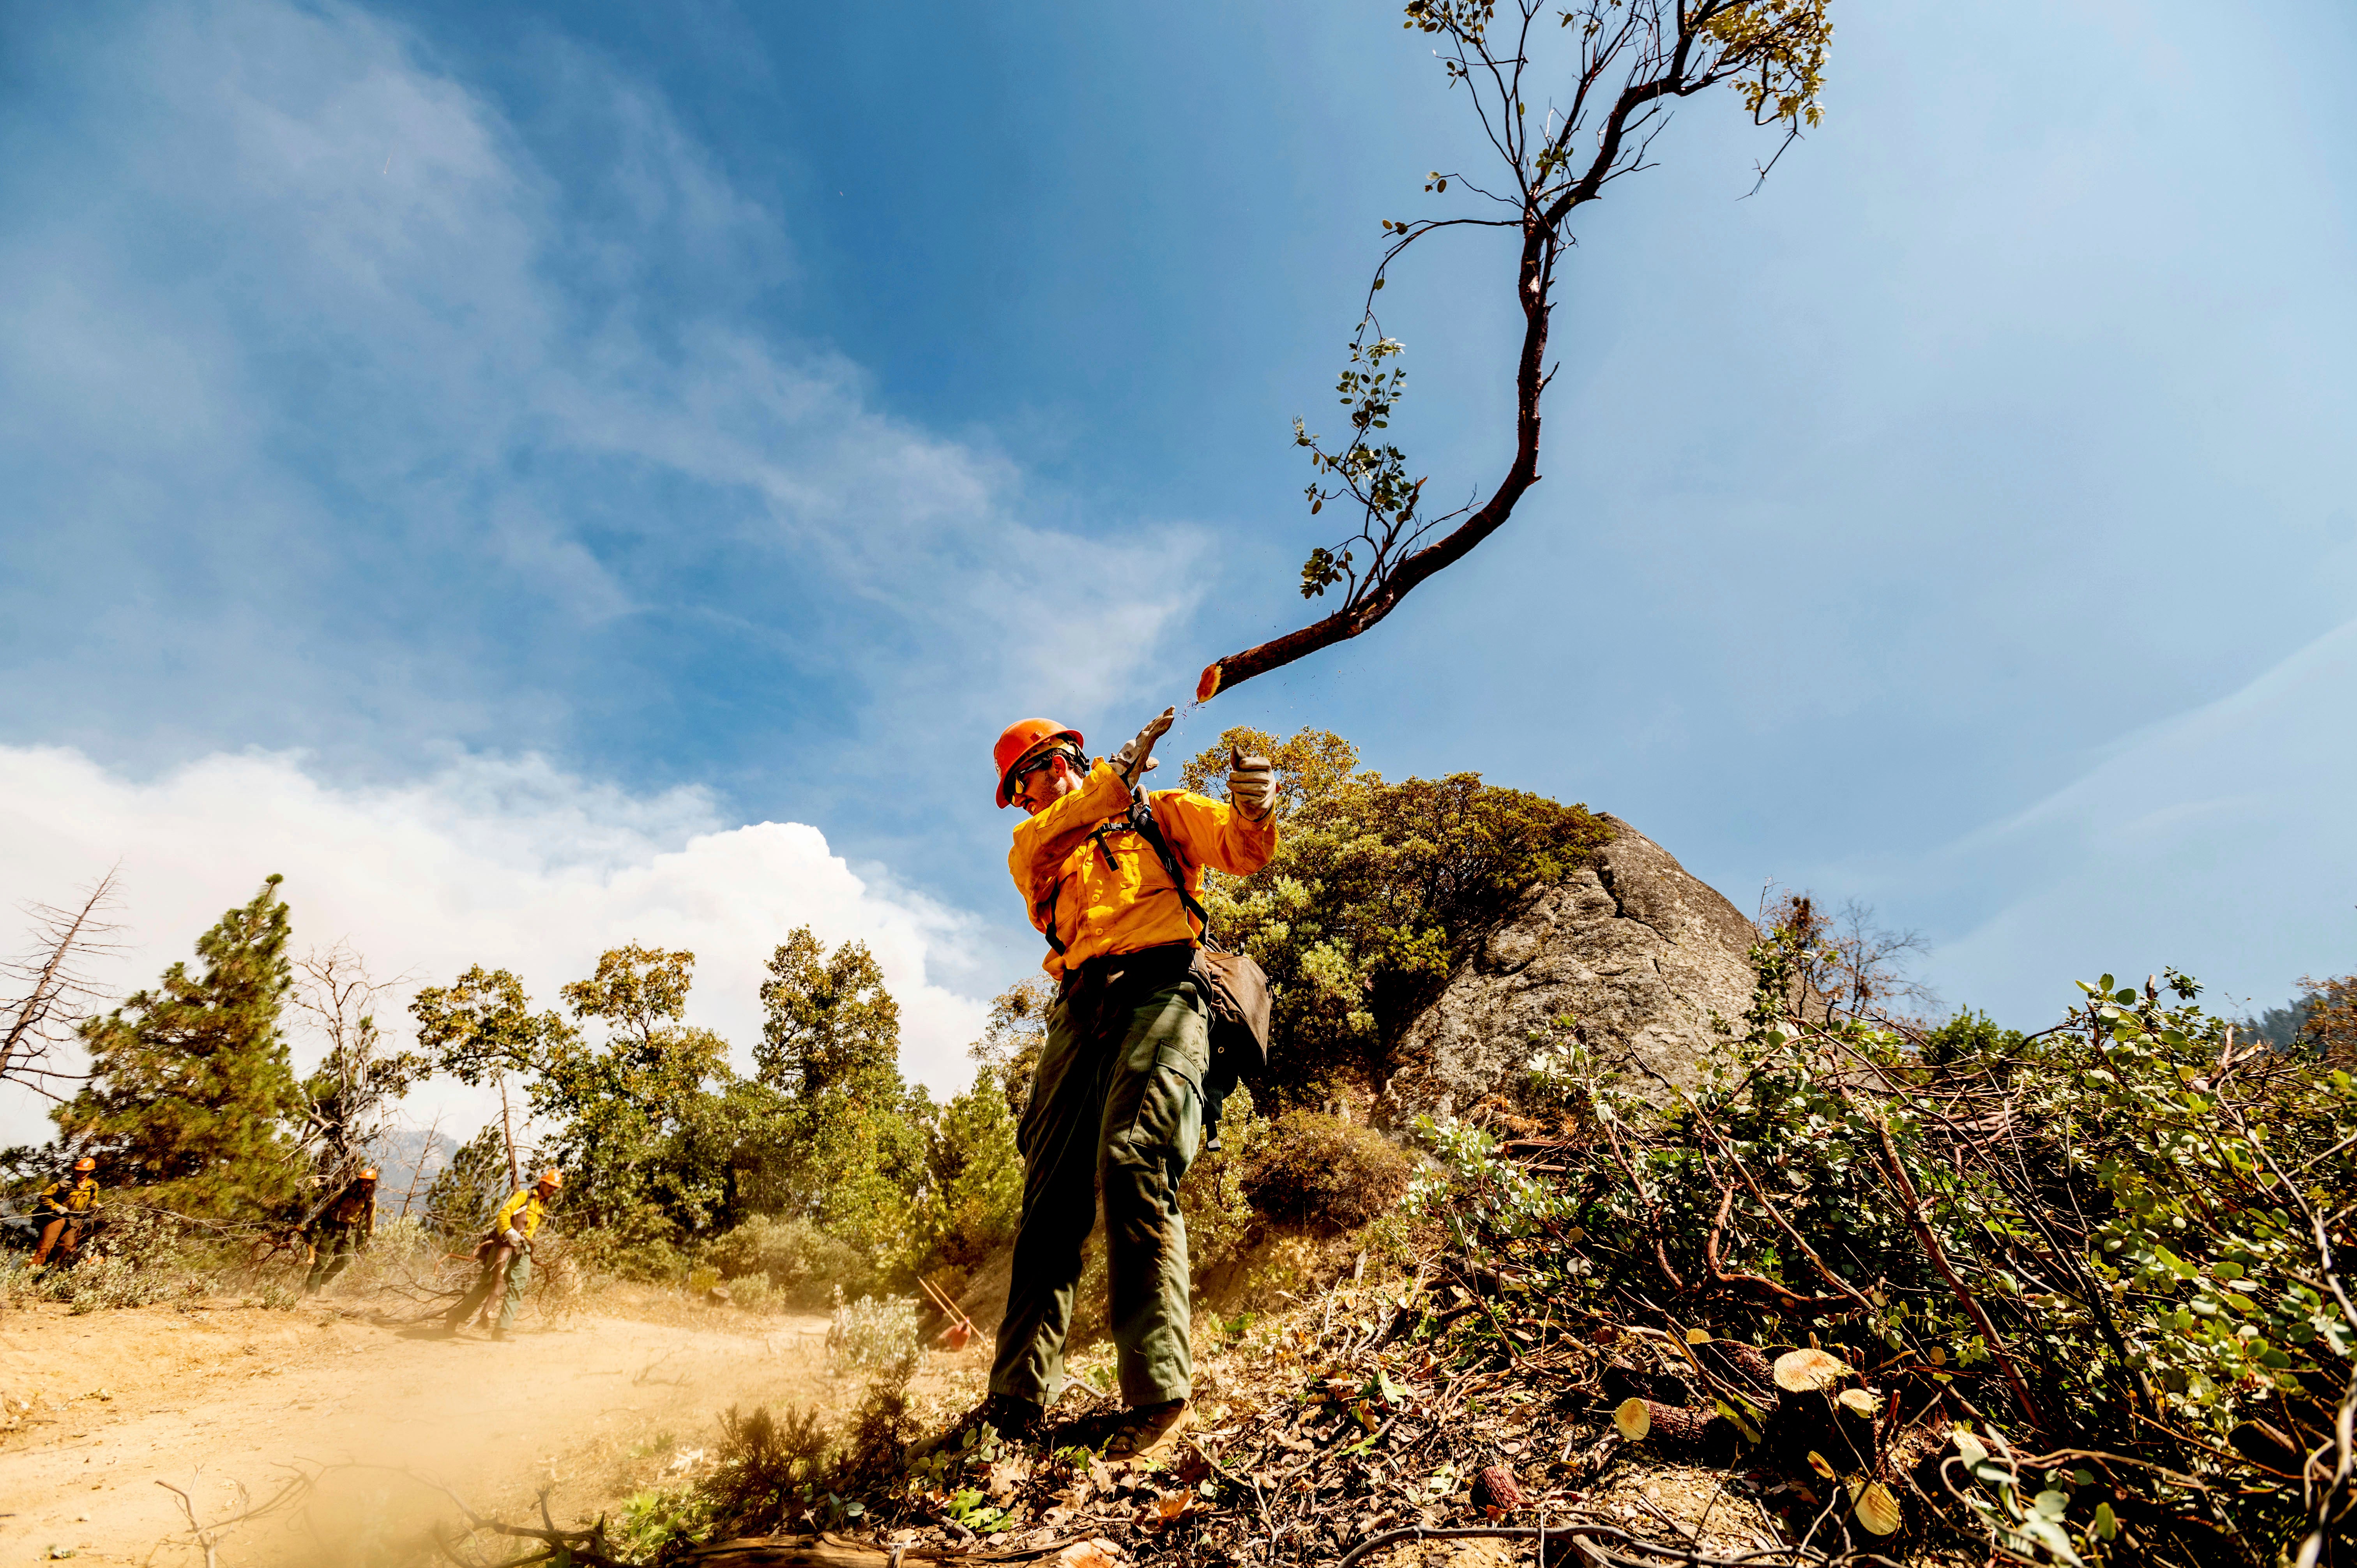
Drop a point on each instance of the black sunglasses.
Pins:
(1025, 771)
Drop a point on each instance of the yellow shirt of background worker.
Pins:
(78, 1197)
(521, 1214)
(1093, 885)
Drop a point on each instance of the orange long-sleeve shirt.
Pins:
(1108, 893)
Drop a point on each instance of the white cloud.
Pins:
(2223, 842)
(508, 863)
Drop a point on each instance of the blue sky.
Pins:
(668, 422)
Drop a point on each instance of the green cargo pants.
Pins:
(518, 1280)
(1117, 1103)
(332, 1248)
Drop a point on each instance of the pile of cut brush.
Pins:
(1870, 1291)
(1463, 1406)
(1451, 1408)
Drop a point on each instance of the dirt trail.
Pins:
(209, 1397)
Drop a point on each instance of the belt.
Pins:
(1158, 966)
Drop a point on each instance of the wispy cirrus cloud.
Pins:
(2219, 840)
(338, 417)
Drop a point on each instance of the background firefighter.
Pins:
(506, 1257)
(65, 1211)
(341, 1229)
(1118, 1099)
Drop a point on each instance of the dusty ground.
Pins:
(100, 1407)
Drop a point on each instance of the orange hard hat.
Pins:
(367, 1173)
(85, 1164)
(1017, 741)
(550, 1178)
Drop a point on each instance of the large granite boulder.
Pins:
(1638, 952)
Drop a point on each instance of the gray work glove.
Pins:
(1251, 785)
(1135, 760)
(511, 1238)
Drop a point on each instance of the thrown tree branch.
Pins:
(1627, 62)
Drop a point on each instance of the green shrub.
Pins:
(800, 1262)
(661, 1522)
(1220, 1219)
(1377, 891)
(649, 1260)
(103, 1282)
(771, 1468)
(975, 1192)
(1319, 1171)
(470, 1187)
(876, 1335)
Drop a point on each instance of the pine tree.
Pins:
(190, 1091)
(467, 1189)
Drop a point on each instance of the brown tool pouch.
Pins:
(1237, 989)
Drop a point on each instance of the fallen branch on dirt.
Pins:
(208, 1537)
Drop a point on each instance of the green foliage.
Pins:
(876, 1335)
(467, 1190)
(852, 1161)
(1323, 1173)
(1368, 470)
(618, 1104)
(844, 1141)
(482, 1027)
(2109, 1237)
(1008, 1051)
(793, 1257)
(771, 1469)
(1377, 892)
(976, 1190)
(1969, 1036)
(828, 1019)
(1221, 1221)
(828, 1170)
(135, 1256)
(658, 1525)
(189, 1087)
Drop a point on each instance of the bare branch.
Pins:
(56, 991)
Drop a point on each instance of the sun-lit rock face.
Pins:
(1638, 952)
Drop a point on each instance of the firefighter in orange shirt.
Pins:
(1118, 1099)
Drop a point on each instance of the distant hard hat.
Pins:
(85, 1164)
(1018, 741)
(368, 1174)
(550, 1178)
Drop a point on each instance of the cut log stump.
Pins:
(1495, 1487)
(1694, 1436)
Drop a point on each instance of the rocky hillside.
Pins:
(1641, 955)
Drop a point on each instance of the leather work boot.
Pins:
(1012, 1420)
(1145, 1430)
